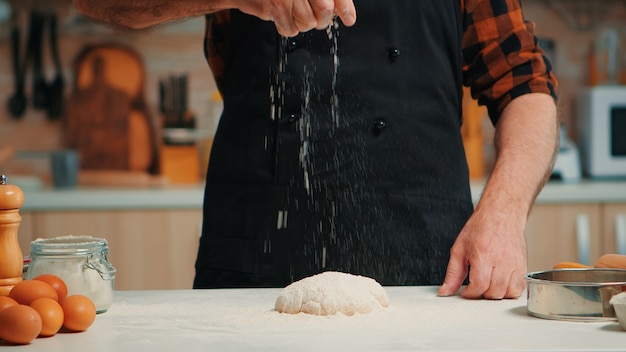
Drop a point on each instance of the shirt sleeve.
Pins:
(501, 55)
(217, 31)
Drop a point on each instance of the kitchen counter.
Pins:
(244, 320)
(107, 198)
(191, 197)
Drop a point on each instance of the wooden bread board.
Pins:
(107, 119)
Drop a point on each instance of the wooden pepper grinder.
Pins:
(11, 259)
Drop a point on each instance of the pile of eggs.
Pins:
(40, 307)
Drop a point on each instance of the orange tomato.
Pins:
(27, 291)
(19, 324)
(79, 311)
(51, 315)
(6, 302)
(56, 282)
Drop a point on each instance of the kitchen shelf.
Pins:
(584, 14)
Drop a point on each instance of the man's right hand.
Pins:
(296, 16)
(290, 16)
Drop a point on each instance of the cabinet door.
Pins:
(563, 232)
(615, 228)
(151, 249)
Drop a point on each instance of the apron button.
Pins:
(291, 45)
(290, 118)
(293, 118)
(393, 54)
(379, 126)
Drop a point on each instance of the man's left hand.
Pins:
(493, 249)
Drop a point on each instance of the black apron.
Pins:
(357, 166)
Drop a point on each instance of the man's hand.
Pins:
(495, 250)
(492, 245)
(290, 16)
(296, 16)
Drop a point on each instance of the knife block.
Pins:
(180, 164)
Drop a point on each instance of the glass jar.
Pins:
(81, 261)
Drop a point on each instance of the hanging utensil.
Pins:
(17, 101)
(185, 122)
(56, 101)
(173, 96)
(162, 96)
(40, 86)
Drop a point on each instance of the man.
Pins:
(341, 149)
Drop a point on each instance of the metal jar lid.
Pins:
(65, 245)
(93, 249)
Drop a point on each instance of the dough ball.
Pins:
(332, 292)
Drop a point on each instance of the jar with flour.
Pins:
(81, 261)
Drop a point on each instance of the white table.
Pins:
(244, 320)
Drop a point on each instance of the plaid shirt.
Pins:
(501, 56)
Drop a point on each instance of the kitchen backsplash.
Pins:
(177, 49)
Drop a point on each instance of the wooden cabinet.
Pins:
(615, 228)
(560, 232)
(151, 249)
(574, 233)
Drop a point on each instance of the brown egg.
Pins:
(51, 315)
(56, 282)
(79, 311)
(29, 290)
(19, 324)
(6, 302)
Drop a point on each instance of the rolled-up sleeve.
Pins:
(216, 45)
(501, 56)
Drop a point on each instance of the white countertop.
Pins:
(191, 197)
(244, 320)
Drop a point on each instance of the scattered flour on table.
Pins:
(332, 292)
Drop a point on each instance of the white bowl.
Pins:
(619, 304)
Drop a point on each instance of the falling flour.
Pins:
(332, 292)
(308, 90)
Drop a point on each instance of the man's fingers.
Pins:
(304, 16)
(285, 24)
(287, 30)
(498, 284)
(479, 281)
(517, 285)
(346, 11)
(324, 11)
(489, 283)
(455, 274)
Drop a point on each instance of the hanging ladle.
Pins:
(40, 85)
(56, 87)
(17, 102)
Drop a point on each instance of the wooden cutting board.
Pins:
(107, 119)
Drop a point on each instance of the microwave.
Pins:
(602, 129)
